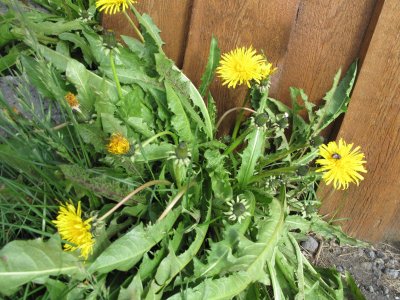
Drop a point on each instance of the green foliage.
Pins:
(34, 260)
(239, 204)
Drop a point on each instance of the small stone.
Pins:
(366, 265)
(391, 263)
(310, 244)
(370, 253)
(379, 263)
(381, 254)
(370, 289)
(385, 290)
(391, 273)
(340, 269)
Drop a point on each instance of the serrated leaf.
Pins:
(79, 42)
(112, 124)
(25, 261)
(212, 64)
(250, 156)
(336, 100)
(93, 135)
(95, 82)
(150, 31)
(172, 265)
(179, 120)
(215, 167)
(153, 152)
(182, 85)
(133, 291)
(129, 249)
(252, 257)
(321, 227)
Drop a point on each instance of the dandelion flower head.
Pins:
(72, 101)
(111, 7)
(74, 229)
(341, 164)
(118, 144)
(242, 65)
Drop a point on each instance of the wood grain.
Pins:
(373, 122)
(266, 25)
(327, 35)
(171, 16)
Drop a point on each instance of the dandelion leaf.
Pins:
(129, 249)
(34, 260)
(336, 100)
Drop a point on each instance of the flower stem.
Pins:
(174, 201)
(134, 27)
(134, 192)
(237, 142)
(240, 116)
(119, 90)
(232, 110)
(154, 137)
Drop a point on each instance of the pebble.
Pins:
(366, 265)
(370, 289)
(379, 263)
(385, 290)
(382, 255)
(370, 253)
(391, 273)
(310, 244)
(340, 268)
(391, 263)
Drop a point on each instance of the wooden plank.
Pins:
(171, 16)
(266, 25)
(373, 122)
(326, 36)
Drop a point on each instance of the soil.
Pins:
(376, 270)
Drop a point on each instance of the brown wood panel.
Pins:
(266, 25)
(373, 122)
(326, 36)
(171, 16)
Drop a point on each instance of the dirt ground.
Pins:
(376, 269)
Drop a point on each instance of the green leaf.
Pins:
(79, 42)
(133, 291)
(336, 100)
(179, 120)
(215, 166)
(321, 227)
(172, 265)
(111, 124)
(79, 76)
(25, 261)
(184, 87)
(150, 31)
(250, 156)
(92, 134)
(250, 263)
(212, 64)
(153, 152)
(95, 82)
(355, 291)
(125, 252)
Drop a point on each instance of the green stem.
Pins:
(119, 90)
(154, 137)
(174, 201)
(240, 116)
(134, 192)
(134, 27)
(237, 142)
(274, 172)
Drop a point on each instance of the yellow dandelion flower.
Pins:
(242, 65)
(341, 164)
(111, 7)
(73, 229)
(72, 101)
(118, 144)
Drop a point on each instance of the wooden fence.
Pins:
(308, 40)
